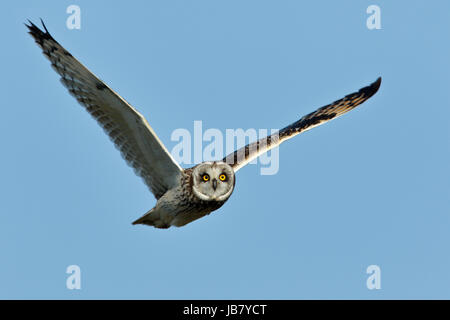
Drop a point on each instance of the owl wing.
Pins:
(244, 155)
(126, 127)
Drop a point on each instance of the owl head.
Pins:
(213, 181)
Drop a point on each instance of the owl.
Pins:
(183, 195)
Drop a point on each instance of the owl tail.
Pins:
(152, 218)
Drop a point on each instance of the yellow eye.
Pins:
(205, 177)
(223, 177)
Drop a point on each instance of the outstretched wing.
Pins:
(126, 127)
(244, 155)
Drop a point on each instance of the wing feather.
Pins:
(244, 155)
(126, 127)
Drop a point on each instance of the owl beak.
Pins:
(214, 184)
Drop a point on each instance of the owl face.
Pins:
(213, 181)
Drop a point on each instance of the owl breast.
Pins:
(189, 207)
(180, 205)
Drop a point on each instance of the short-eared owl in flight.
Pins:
(183, 195)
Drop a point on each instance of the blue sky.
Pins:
(370, 188)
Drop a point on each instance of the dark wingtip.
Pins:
(138, 221)
(37, 33)
(43, 24)
(377, 83)
(371, 89)
(30, 25)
